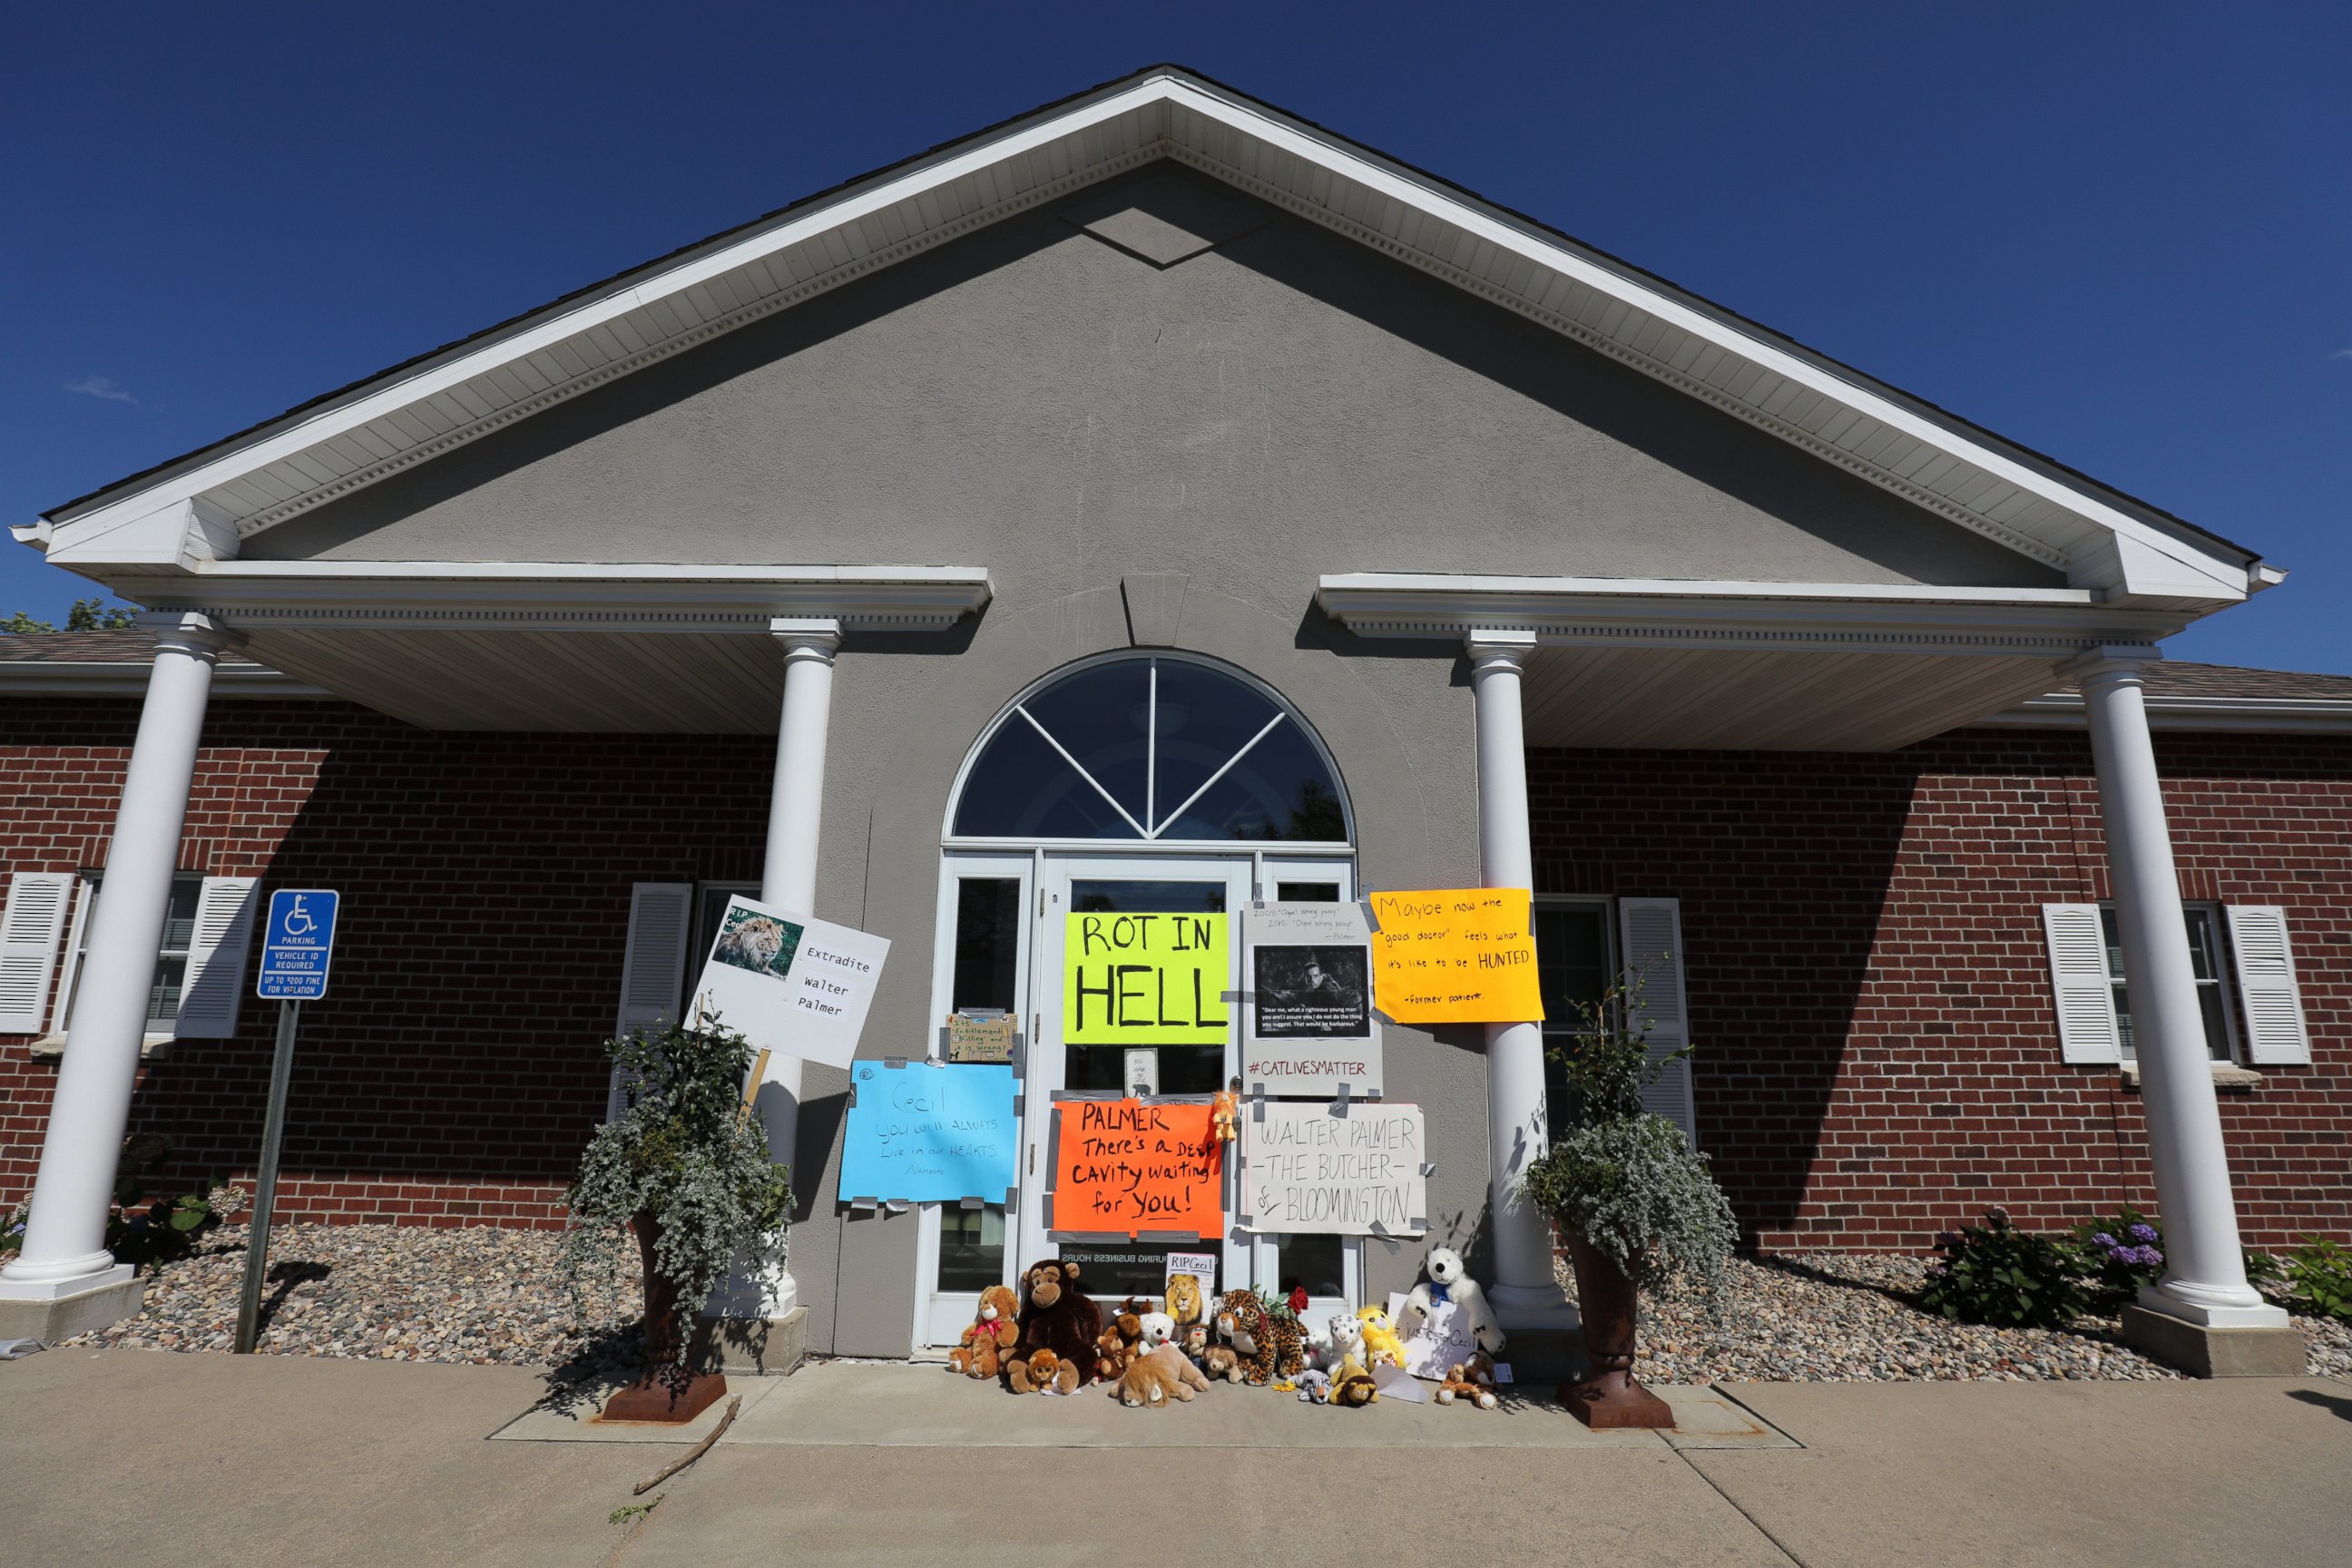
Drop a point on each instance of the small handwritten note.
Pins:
(1461, 955)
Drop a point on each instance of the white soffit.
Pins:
(419, 411)
(2047, 624)
(546, 596)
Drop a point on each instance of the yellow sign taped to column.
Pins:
(1459, 956)
(1145, 980)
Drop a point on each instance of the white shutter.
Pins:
(217, 956)
(2275, 1032)
(654, 970)
(1652, 935)
(29, 931)
(2078, 975)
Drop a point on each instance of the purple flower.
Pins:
(2103, 1239)
(2142, 1232)
(2145, 1256)
(1948, 1239)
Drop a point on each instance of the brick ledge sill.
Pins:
(2226, 1074)
(52, 1048)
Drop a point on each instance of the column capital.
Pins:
(1490, 649)
(189, 632)
(806, 636)
(2124, 660)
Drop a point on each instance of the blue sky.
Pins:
(2119, 234)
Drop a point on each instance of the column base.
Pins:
(51, 1318)
(753, 1347)
(2212, 1308)
(2202, 1350)
(1537, 1307)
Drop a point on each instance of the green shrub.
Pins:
(1627, 1181)
(1634, 1189)
(2319, 1280)
(686, 1153)
(1995, 1273)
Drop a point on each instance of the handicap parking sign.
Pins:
(298, 945)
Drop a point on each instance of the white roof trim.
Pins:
(58, 678)
(2265, 715)
(557, 595)
(1344, 583)
(1586, 612)
(410, 415)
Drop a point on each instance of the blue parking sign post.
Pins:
(297, 949)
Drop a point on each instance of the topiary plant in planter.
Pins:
(685, 1166)
(1639, 1206)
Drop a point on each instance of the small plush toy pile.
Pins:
(1050, 1338)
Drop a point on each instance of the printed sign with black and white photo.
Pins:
(790, 984)
(1308, 1018)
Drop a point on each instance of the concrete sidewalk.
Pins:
(148, 1456)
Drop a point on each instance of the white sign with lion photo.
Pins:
(790, 984)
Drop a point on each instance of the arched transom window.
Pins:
(1155, 749)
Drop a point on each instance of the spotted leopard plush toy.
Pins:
(1268, 1343)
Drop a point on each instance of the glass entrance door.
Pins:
(1115, 885)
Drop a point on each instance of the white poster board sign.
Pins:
(790, 984)
(1438, 1341)
(1350, 1168)
(1307, 1025)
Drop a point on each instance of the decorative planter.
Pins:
(1608, 1397)
(671, 1390)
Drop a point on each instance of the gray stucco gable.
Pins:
(1066, 411)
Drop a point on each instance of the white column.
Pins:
(65, 1243)
(1526, 1293)
(2205, 1275)
(788, 881)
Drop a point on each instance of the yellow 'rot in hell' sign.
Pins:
(1145, 980)
(1461, 955)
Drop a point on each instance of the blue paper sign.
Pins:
(930, 1134)
(298, 946)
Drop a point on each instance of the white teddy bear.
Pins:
(1449, 1281)
(1157, 1329)
(1344, 1338)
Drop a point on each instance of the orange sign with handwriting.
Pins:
(1456, 955)
(1125, 1166)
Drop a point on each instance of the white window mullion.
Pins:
(1063, 753)
(1230, 761)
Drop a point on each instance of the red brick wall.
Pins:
(1869, 991)
(1877, 1056)
(453, 1074)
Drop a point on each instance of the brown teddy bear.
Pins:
(1118, 1344)
(1055, 1317)
(1157, 1378)
(1472, 1382)
(992, 1333)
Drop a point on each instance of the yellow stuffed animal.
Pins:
(1380, 1343)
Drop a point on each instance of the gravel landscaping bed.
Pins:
(383, 1292)
(1847, 1316)
(410, 1293)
